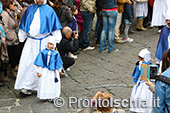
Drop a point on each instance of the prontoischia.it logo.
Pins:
(135, 103)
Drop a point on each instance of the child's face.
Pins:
(168, 22)
(141, 59)
(50, 46)
(12, 6)
(75, 12)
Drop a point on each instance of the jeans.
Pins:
(87, 26)
(126, 21)
(109, 22)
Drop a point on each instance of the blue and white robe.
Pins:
(140, 91)
(163, 45)
(49, 64)
(38, 22)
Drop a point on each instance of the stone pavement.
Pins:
(91, 69)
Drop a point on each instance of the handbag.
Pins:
(3, 52)
(141, 0)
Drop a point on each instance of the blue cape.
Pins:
(54, 63)
(136, 72)
(162, 45)
(49, 21)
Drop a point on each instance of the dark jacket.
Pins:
(109, 4)
(99, 5)
(66, 46)
(64, 14)
(105, 4)
(128, 12)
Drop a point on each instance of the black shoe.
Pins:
(51, 100)
(138, 29)
(97, 42)
(1, 84)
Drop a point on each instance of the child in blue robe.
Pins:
(140, 90)
(48, 66)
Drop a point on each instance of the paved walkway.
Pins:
(91, 69)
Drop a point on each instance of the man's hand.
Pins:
(130, 2)
(39, 74)
(76, 34)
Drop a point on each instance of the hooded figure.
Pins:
(140, 90)
(146, 56)
(164, 41)
(38, 23)
(49, 64)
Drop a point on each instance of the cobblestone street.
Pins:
(92, 68)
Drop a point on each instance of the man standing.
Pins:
(87, 8)
(38, 23)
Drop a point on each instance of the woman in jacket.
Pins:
(10, 25)
(63, 12)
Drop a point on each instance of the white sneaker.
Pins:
(72, 56)
(128, 40)
(159, 31)
(104, 51)
(89, 48)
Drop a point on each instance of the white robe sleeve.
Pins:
(58, 70)
(57, 35)
(38, 69)
(22, 35)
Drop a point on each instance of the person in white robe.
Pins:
(48, 66)
(140, 91)
(160, 8)
(38, 23)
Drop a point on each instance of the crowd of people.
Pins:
(34, 32)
